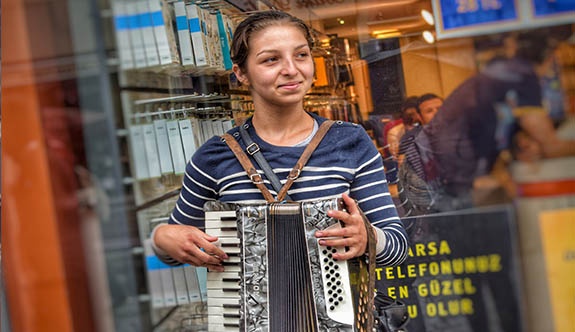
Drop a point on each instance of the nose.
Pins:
(288, 67)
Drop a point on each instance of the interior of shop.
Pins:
(105, 101)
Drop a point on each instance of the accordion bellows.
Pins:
(278, 278)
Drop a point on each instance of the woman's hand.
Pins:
(188, 244)
(353, 235)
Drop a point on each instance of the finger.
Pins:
(332, 233)
(214, 249)
(209, 259)
(217, 268)
(197, 256)
(351, 253)
(209, 244)
(192, 260)
(350, 204)
(195, 261)
(210, 238)
(351, 210)
(334, 242)
(339, 215)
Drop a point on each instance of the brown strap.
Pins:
(255, 177)
(293, 174)
(370, 256)
(296, 170)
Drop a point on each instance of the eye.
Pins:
(302, 55)
(271, 59)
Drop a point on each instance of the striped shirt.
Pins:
(408, 148)
(346, 161)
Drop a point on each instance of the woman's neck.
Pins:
(283, 128)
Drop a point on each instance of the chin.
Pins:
(289, 100)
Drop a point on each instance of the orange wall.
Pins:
(437, 68)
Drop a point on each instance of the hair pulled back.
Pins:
(258, 22)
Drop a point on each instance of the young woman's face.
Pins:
(279, 68)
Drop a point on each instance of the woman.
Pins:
(271, 52)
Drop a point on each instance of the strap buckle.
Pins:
(253, 149)
(254, 178)
(292, 176)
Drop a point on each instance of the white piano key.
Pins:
(219, 319)
(218, 223)
(229, 241)
(222, 328)
(220, 293)
(223, 276)
(232, 260)
(225, 312)
(217, 284)
(218, 216)
(223, 302)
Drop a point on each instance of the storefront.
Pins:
(104, 102)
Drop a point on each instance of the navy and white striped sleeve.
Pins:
(370, 189)
(197, 188)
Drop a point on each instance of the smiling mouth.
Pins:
(290, 85)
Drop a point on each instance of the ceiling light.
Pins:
(428, 36)
(427, 17)
(387, 35)
(384, 31)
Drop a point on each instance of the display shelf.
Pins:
(150, 96)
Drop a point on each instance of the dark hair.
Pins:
(425, 97)
(257, 22)
(409, 103)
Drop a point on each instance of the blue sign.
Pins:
(462, 18)
(551, 7)
(464, 13)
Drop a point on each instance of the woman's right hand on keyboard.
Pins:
(189, 244)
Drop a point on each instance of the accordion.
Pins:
(278, 278)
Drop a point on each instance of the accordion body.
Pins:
(278, 277)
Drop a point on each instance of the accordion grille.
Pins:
(292, 307)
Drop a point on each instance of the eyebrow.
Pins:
(274, 51)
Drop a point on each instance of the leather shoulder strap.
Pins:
(253, 149)
(255, 177)
(296, 170)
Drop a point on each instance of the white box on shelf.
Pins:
(197, 36)
(164, 32)
(122, 32)
(166, 165)
(176, 148)
(138, 150)
(136, 35)
(184, 37)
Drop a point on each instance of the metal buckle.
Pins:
(254, 180)
(293, 177)
(253, 149)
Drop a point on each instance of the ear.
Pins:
(242, 78)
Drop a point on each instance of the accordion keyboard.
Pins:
(223, 287)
